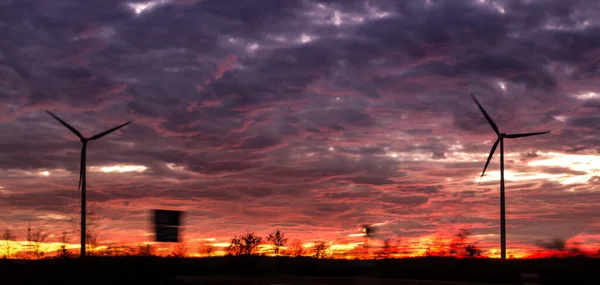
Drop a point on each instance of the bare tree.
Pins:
(7, 243)
(296, 248)
(245, 244)
(461, 247)
(472, 251)
(145, 250)
(459, 241)
(388, 249)
(278, 240)
(207, 249)
(179, 251)
(38, 238)
(429, 252)
(92, 237)
(319, 249)
(235, 248)
(63, 252)
(251, 241)
(91, 243)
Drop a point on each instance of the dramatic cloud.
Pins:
(313, 117)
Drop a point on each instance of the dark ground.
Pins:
(263, 270)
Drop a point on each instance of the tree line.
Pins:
(276, 243)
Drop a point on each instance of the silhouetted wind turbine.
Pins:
(81, 184)
(500, 140)
(368, 232)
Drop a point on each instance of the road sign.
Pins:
(167, 234)
(166, 225)
(167, 217)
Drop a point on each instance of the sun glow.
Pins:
(587, 95)
(561, 118)
(175, 167)
(494, 5)
(516, 176)
(141, 7)
(119, 168)
(502, 85)
(304, 38)
(439, 244)
(587, 165)
(55, 217)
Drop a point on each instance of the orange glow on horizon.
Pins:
(434, 245)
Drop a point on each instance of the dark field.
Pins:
(266, 270)
(304, 280)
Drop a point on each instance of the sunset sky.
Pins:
(313, 117)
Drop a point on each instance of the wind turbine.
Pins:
(500, 140)
(368, 232)
(81, 184)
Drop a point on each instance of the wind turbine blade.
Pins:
(486, 116)
(97, 136)
(514, 136)
(75, 131)
(81, 166)
(489, 157)
(80, 174)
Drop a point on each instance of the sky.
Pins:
(312, 117)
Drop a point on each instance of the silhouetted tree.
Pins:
(38, 238)
(145, 250)
(179, 251)
(7, 239)
(387, 250)
(251, 241)
(245, 244)
(91, 243)
(435, 248)
(235, 247)
(461, 247)
(472, 251)
(429, 252)
(277, 239)
(319, 249)
(92, 237)
(63, 252)
(206, 249)
(296, 248)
